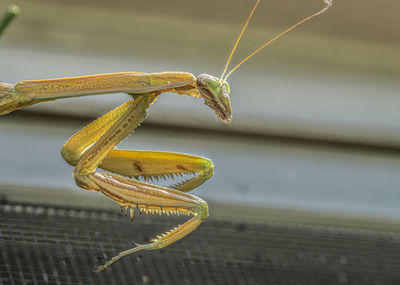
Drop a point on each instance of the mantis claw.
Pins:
(137, 244)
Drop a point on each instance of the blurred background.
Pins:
(315, 138)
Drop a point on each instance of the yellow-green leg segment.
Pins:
(92, 147)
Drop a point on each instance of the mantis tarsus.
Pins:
(93, 146)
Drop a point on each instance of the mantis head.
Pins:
(215, 93)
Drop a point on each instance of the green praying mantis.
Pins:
(93, 146)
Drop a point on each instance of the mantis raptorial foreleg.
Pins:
(131, 193)
(130, 163)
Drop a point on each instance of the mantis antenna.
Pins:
(328, 5)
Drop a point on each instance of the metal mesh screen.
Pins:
(47, 245)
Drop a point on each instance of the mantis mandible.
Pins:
(93, 146)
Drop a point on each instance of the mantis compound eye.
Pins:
(215, 93)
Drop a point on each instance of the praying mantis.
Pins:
(93, 146)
